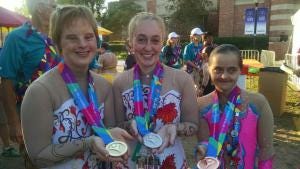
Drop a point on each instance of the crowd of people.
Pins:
(65, 111)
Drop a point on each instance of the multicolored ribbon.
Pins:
(217, 139)
(143, 118)
(89, 108)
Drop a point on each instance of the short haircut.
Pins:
(65, 16)
(225, 49)
(143, 16)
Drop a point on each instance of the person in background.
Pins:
(130, 59)
(27, 53)
(8, 150)
(67, 101)
(207, 86)
(208, 40)
(108, 62)
(174, 108)
(297, 72)
(192, 57)
(171, 53)
(239, 121)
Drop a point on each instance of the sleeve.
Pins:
(11, 57)
(186, 54)
(189, 107)
(119, 107)
(265, 128)
(109, 114)
(39, 110)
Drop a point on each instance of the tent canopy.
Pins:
(103, 31)
(11, 19)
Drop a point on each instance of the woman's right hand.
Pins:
(200, 152)
(134, 131)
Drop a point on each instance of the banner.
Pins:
(260, 17)
(249, 21)
(261, 27)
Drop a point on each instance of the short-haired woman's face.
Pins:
(78, 44)
(224, 71)
(147, 44)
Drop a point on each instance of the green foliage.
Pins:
(243, 43)
(95, 5)
(188, 14)
(246, 42)
(117, 17)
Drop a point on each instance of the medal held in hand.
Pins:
(150, 139)
(208, 163)
(216, 140)
(89, 108)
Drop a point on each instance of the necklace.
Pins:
(219, 134)
(143, 118)
(89, 108)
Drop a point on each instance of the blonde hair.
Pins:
(32, 5)
(64, 16)
(143, 16)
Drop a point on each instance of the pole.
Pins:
(255, 25)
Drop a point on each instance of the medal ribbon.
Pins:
(143, 118)
(215, 142)
(89, 109)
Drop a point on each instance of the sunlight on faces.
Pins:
(224, 71)
(147, 44)
(78, 44)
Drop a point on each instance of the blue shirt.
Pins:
(21, 54)
(190, 51)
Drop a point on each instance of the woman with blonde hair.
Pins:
(171, 53)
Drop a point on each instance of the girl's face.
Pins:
(78, 43)
(146, 44)
(224, 71)
(174, 41)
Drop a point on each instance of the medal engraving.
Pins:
(116, 148)
(208, 163)
(152, 140)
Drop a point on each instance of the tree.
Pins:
(188, 14)
(118, 15)
(96, 6)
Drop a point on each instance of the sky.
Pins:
(13, 4)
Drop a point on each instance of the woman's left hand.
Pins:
(168, 134)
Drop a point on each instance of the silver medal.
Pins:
(152, 140)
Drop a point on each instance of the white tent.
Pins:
(296, 34)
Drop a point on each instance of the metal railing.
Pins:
(250, 54)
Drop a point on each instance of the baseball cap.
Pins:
(173, 35)
(196, 31)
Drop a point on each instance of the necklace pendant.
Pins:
(234, 133)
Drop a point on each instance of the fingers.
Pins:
(172, 133)
(126, 135)
(201, 151)
(134, 128)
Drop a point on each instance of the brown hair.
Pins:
(142, 16)
(225, 49)
(64, 16)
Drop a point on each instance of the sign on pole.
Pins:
(249, 21)
(261, 28)
(260, 16)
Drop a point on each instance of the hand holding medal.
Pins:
(89, 108)
(142, 118)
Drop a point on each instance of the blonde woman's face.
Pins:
(147, 43)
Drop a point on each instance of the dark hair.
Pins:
(225, 49)
(208, 50)
(105, 45)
